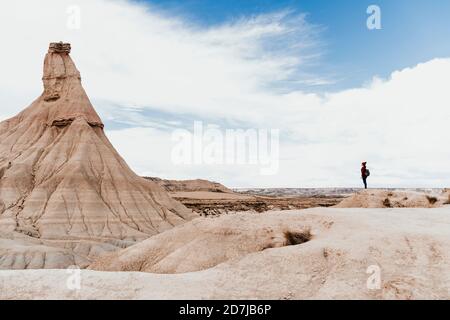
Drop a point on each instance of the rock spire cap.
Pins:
(59, 47)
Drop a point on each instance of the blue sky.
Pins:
(338, 93)
(414, 31)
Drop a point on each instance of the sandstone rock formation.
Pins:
(61, 180)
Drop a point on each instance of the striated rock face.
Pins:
(60, 177)
(22, 252)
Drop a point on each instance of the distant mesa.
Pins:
(190, 185)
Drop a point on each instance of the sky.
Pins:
(328, 92)
(413, 31)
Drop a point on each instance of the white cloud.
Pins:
(400, 125)
(131, 55)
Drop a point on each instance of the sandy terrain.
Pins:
(218, 203)
(409, 246)
(397, 199)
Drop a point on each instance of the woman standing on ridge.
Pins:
(365, 173)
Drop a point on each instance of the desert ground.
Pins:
(305, 254)
(317, 253)
(69, 203)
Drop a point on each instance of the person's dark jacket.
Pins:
(364, 172)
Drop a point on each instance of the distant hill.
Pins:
(190, 185)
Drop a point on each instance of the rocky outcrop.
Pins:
(62, 180)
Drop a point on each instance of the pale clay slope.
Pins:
(204, 243)
(18, 251)
(411, 246)
(374, 198)
(61, 179)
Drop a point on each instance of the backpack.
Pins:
(367, 173)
